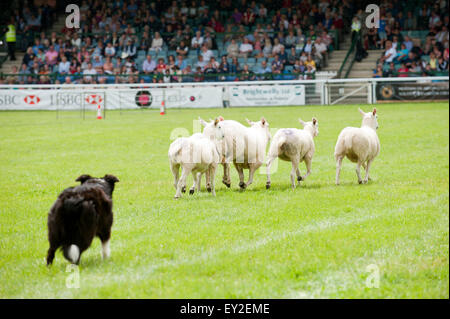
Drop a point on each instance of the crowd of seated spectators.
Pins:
(136, 41)
(404, 55)
(38, 17)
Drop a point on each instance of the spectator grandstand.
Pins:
(157, 41)
(414, 40)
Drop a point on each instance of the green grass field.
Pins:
(314, 242)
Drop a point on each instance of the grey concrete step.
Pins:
(364, 69)
(334, 64)
(8, 65)
(360, 74)
(339, 53)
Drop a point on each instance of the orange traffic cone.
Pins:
(99, 113)
(162, 109)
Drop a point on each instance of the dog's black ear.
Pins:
(111, 179)
(83, 178)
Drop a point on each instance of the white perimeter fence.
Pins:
(222, 94)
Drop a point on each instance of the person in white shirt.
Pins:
(246, 48)
(201, 63)
(232, 49)
(149, 65)
(321, 50)
(197, 41)
(88, 72)
(276, 46)
(76, 41)
(64, 66)
(109, 50)
(157, 42)
(206, 53)
(389, 54)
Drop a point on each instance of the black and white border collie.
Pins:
(79, 214)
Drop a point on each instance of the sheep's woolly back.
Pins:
(358, 144)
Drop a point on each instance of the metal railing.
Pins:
(158, 77)
(347, 56)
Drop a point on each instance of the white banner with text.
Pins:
(272, 95)
(74, 99)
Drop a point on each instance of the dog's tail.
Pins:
(72, 253)
(78, 219)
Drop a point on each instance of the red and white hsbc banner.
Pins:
(254, 95)
(111, 98)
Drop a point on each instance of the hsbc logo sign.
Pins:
(93, 99)
(49, 99)
(32, 99)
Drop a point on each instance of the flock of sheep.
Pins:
(226, 141)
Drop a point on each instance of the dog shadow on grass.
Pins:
(87, 261)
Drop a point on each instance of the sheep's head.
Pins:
(312, 126)
(370, 119)
(261, 124)
(213, 129)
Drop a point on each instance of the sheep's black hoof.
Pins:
(242, 185)
(191, 191)
(183, 190)
(267, 185)
(209, 189)
(360, 182)
(227, 184)
(299, 178)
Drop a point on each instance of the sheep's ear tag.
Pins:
(374, 111)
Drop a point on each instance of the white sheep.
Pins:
(360, 145)
(252, 151)
(244, 146)
(196, 154)
(225, 147)
(294, 145)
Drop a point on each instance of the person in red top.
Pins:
(287, 4)
(161, 66)
(338, 22)
(403, 71)
(295, 20)
(216, 25)
(249, 18)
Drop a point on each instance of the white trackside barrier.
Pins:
(164, 96)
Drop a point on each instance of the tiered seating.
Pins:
(131, 68)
